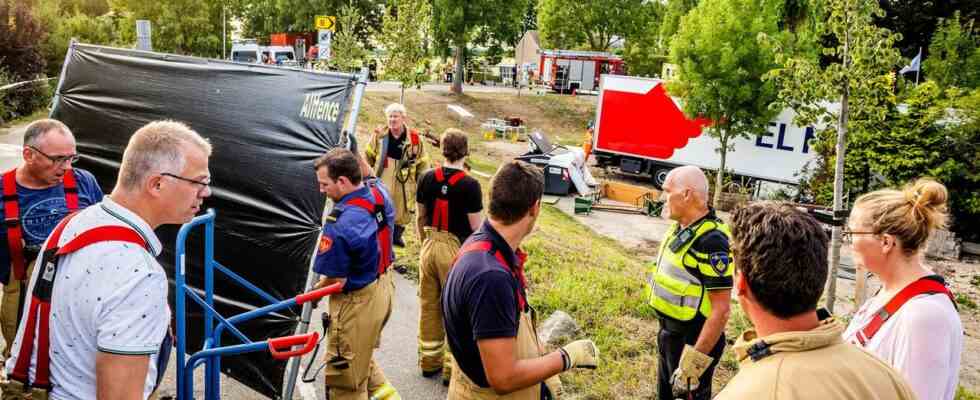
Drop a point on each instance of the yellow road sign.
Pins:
(326, 22)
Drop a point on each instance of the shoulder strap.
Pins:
(925, 285)
(440, 176)
(377, 211)
(11, 219)
(486, 246)
(456, 177)
(39, 311)
(71, 190)
(413, 136)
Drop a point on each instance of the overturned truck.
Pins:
(266, 124)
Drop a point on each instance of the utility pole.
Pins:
(224, 24)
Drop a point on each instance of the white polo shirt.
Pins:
(109, 297)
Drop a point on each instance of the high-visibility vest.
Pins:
(673, 290)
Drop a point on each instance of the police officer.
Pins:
(489, 323)
(690, 288)
(449, 205)
(398, 157)
(355, 248)
(36, 196)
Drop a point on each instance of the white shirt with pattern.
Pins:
(108, 297)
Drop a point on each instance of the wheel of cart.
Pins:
(215, 324)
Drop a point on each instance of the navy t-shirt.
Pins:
(349, 246)
(480, 302)
(40, 212)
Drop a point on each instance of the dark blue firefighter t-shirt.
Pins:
(40, 212)
(479, 302)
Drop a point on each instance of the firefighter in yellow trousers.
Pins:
(398, 157)
(449, 205)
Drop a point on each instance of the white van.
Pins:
(282, 55)
(246, 51)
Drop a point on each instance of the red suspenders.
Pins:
(440, 211)
(377, 209)
(11, 215)
(925, 285)
(517, 271)
(39, 312)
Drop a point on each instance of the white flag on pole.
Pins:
(914, 65)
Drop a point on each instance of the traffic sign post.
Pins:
(324, 37)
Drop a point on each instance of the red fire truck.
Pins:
(567, 71)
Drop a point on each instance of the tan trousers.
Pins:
(357, 320)
(402, 194)
(461, 387)
(10, 306)
(436, 259)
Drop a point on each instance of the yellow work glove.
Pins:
(688, 373)
(580, 354)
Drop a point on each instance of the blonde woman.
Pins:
(912, 322)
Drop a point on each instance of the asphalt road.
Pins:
(397, 357)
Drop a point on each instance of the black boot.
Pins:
(399, 230)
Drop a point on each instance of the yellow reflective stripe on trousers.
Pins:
(430, 348)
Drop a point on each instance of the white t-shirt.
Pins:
(109, 297)
(922, 341)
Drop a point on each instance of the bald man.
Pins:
(690, 288)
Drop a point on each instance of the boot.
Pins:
(399, 230)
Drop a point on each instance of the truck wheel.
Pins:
(659, 177)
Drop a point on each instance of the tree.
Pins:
(721, 68)
(530, 21)
(675, 10)
(916, 20)
(346, 51)
(646, 51)
(954, 54)
(20, 57)
(71, 22)
(858, 73)
(456, 22)
(403, 36)
(923, 139)
(597, 24)
(191, 27)
(263, 17)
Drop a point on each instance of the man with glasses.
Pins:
(36, 196)
(101, 297)
(690, 288)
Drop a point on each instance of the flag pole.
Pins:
(918, 67)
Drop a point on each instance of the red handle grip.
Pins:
(308, 341)
(317, 294)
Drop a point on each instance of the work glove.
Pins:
(580, 354)
(688, 373)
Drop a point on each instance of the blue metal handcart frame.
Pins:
(211, 350)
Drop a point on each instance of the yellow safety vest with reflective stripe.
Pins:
(672, 289)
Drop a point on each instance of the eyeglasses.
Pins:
(847, 236)
(203, 184)
(70, 159)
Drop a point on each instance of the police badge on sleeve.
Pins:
(720, 262)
